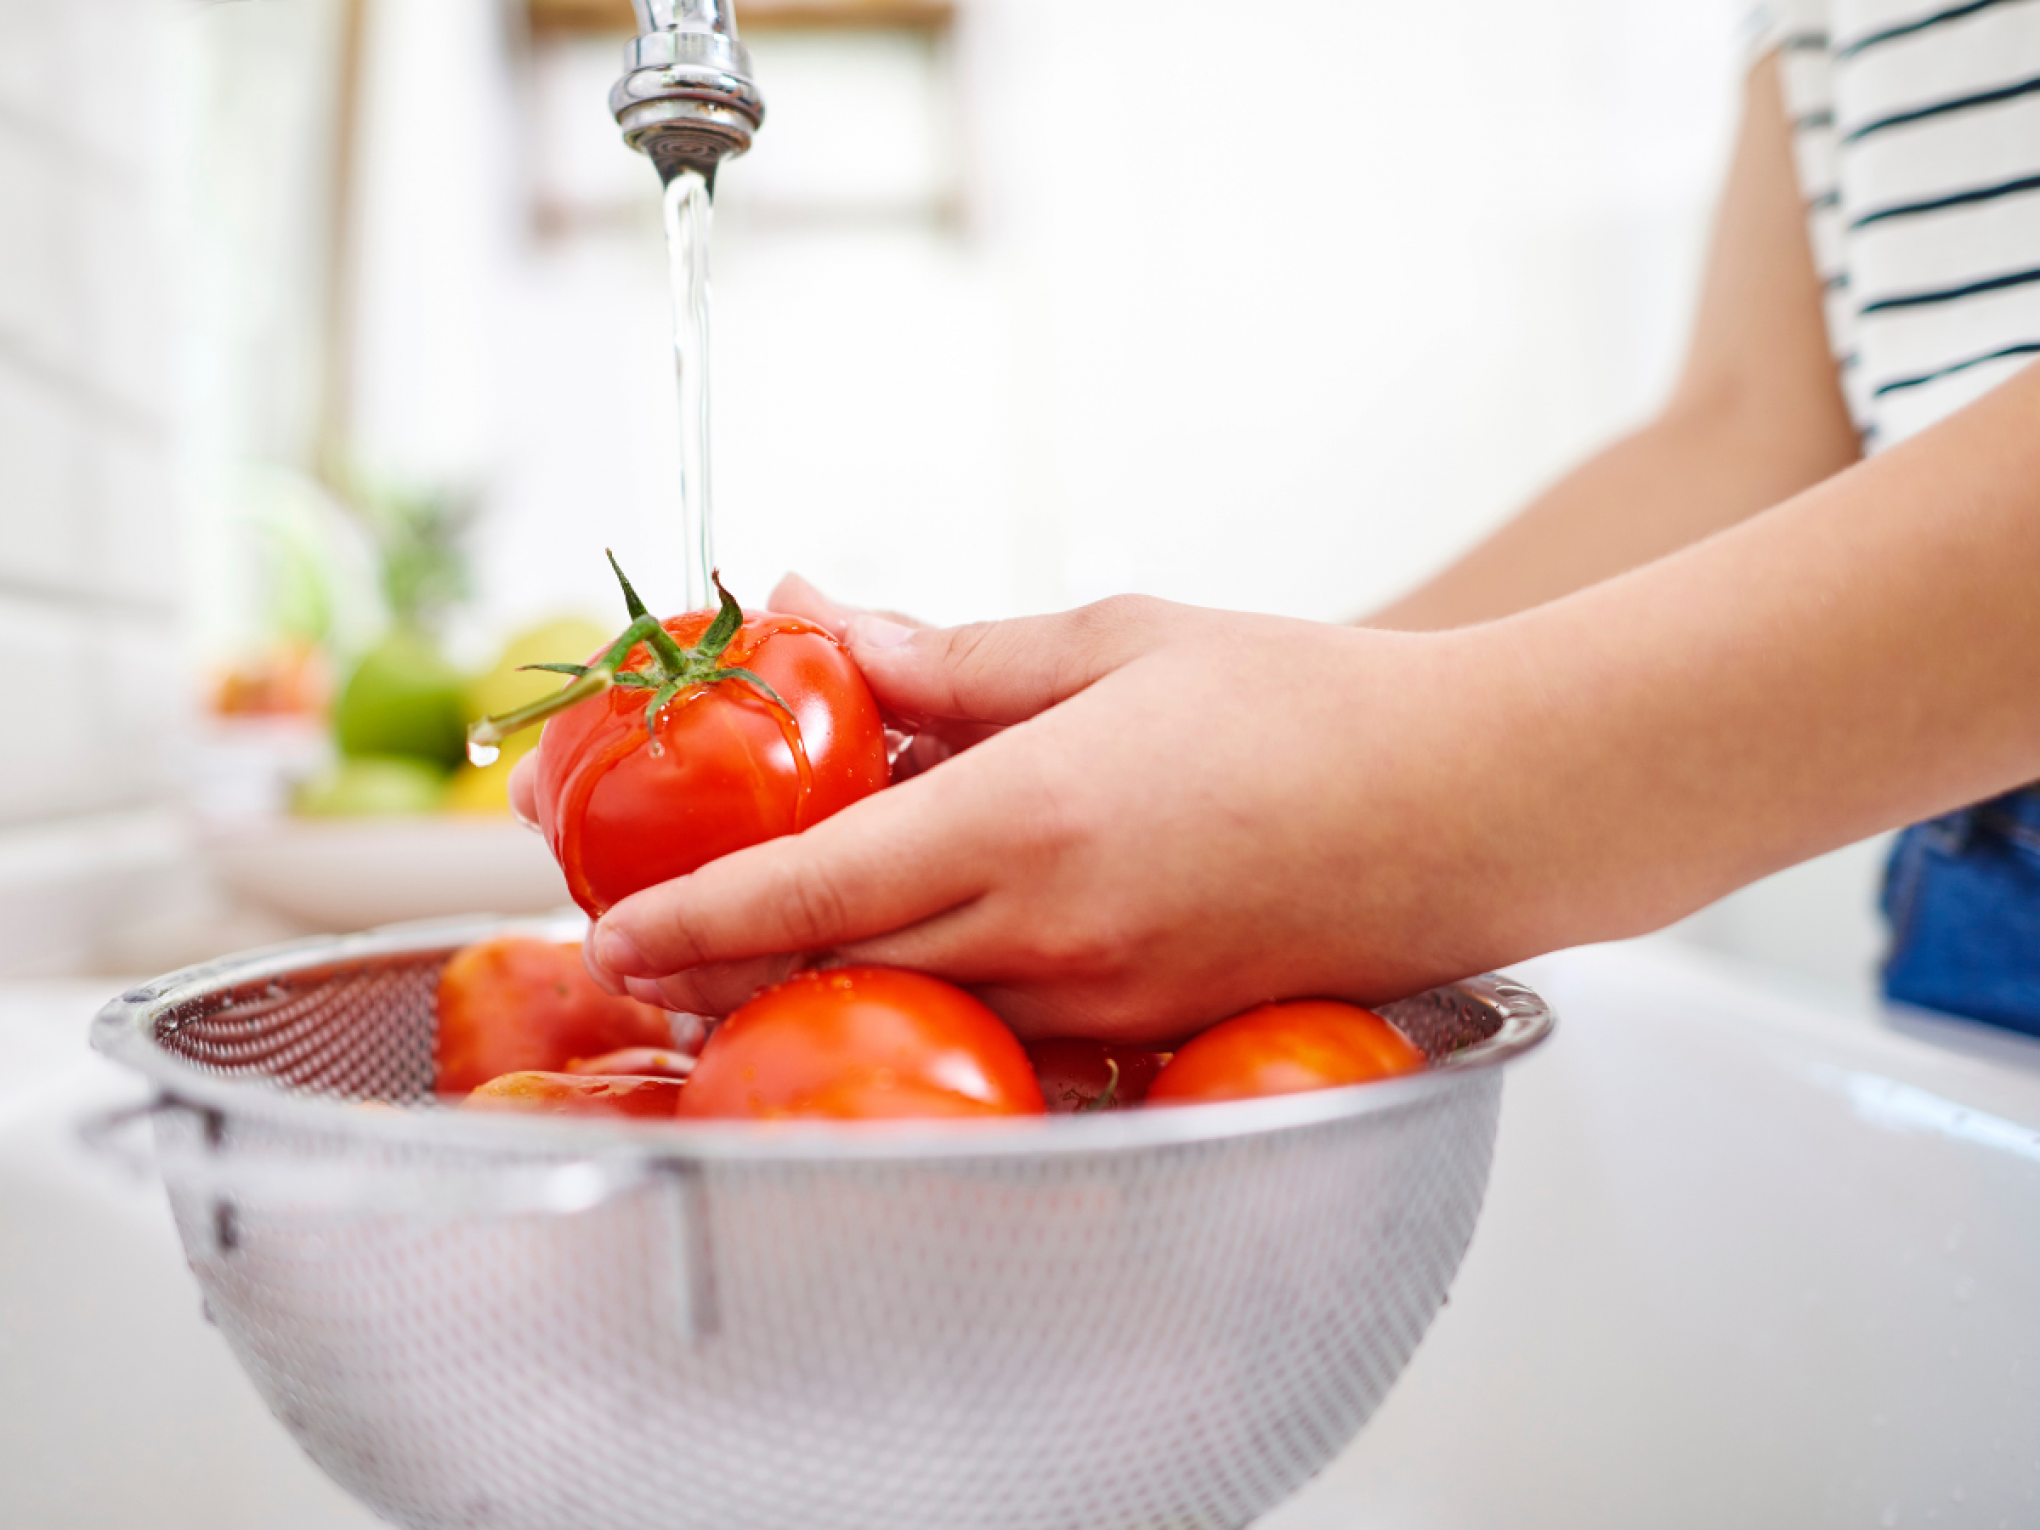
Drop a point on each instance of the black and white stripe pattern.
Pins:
(1917, 135)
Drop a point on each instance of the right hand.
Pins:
(1150, 817)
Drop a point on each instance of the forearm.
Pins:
(1705, 464)
(1862, 656)
(1757, 415)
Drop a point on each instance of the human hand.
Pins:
(1164, 815)
(1172, 814)
(930, 739)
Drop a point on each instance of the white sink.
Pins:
(1746, 1261)
(120, 1409)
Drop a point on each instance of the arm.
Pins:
(1757, 414)
(1189, 811)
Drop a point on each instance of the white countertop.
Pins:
(1747, 1259)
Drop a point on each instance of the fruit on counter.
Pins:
(479, 788)
(568, 1094)
(1078, 1076)
(1284, 1049)
(518, 1005)
(516, 681)
(688, 739)
(404, 698)
(291, 680)
(649, 1062)
(372, 784)
(862, 1043)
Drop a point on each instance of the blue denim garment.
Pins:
(1962, 897)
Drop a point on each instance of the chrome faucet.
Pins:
(687, 98)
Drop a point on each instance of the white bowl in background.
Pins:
(353, 874)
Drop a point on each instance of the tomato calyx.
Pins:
(668, 671)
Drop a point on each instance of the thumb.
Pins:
(1005, 672)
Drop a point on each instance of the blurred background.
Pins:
(334, 350)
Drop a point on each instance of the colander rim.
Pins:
(124, 1031)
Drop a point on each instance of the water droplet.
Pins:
(1877, 1421)
(1954, 1239)
(1964, 1289)
(482, 756)
(1955, 1493)
(1889, 1517)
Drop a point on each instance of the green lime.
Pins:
(404, 699)
(371, 785)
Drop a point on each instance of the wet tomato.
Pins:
(1285, 1049)
(693, 737)
(862, 1043)
(1076, 1074)
(568, 1094)
(514, 1005)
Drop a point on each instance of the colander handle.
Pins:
(207, 1167)
(103, 1134)
(278, 1182)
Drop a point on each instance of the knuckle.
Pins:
(1097, 637)
(1117, 614)
(681, 949)
(817, 911)
(969, 644)
(973, 652)
(1056, 823)
(1074, 948)
(1050, 813)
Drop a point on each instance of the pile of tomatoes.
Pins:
(523, 1028)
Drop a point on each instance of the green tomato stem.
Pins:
(671, 671)
(491, 731)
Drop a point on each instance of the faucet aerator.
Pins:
(687, 99)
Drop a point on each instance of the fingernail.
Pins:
(877, 632)
(619, 953)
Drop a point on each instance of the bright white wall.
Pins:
(1280, 345)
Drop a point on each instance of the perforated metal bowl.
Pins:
(1154, 1319)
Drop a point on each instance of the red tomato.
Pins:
(862, 1042)
(565, 1094)
(729, 769)
(1075, 1074)
(1285, 1049)
(515, 1005)
(639, 1062)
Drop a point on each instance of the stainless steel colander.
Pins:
(1161, 1320)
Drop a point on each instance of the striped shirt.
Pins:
(1917, 134)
